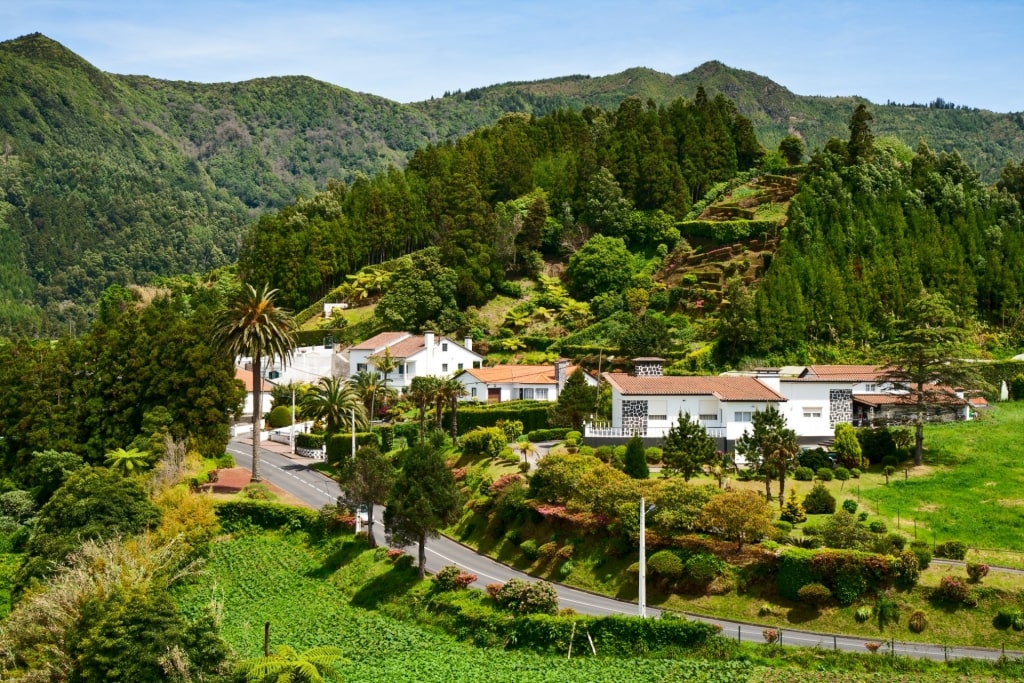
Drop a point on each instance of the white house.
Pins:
(244, 375)
(813, 399)
(516, 382)
(647, 403)
(413, 354)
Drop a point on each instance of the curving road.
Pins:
(316, 490)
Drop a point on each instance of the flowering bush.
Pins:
(771, 636)
(504, 480)
(451, 578)
(872, 647)
(526, 597)
(976, 572)
(951, 589)
(395, 553)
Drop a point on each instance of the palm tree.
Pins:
(449, 391)
(252, 325)
(370, 385)
(423, 392)
(333, 400)
(286, 665)
(385, 364)
(127, 461)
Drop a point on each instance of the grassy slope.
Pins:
(965, 492)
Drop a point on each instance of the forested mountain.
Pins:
(108, 179)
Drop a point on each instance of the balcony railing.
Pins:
(603, 430)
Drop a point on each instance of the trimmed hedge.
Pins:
(726, 232)
(242, 514)
(312, 441)
(612, 636)
(553, 434)
(339, 446)
(533, 415)
(847, 573)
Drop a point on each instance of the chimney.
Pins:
(468, 343)
(561, 365)
(648, 367)
(428, 345)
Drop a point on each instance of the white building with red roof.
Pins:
(518, 382)
(414, 355)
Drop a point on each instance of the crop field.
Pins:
(253, 579)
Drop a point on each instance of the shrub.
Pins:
(604, 453)
(862, 516)
(486, 442)
(803, 474)
(665, 564)
(824, 474)
(811, 529)
(976, 571)
(1008, 616)
(565, 552)
(873, 646)
(225, 462)
(280, 416)
(890, 461)
(877, 526)
(951, 550)
(239, 514)
(842, 474)
(864, 613)
(527, 597)
(917, 621)
(850, 505)
(310, 441)
(886, 609)
(951, 589)
(256, 491)
(548, 550)
(653, 455)
(566, 568)
(813, 460)
(703, 568)
(793, 512)
(819, 501)
(512, 429)
(765, 610)
(451, 578)
(770, 635)
(784, 525)
(814, 594)
(529, 549)
(854, 473)
(556, 434)
(923, 553)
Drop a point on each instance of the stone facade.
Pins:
(840, 406)
(648, 368)
(634, 417)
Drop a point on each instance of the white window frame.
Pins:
(743, 416)
(812, 412)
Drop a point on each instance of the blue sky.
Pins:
(965, 52)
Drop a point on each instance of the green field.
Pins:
(253, 579)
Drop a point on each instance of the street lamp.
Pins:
(642, 590)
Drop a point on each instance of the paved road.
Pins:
(317, 490)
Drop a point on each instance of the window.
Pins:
(540, 394)
(401, 368)
(472, 392)
(871, 388)
(360, 367)
(444, 346)
(526, 393)
(476, 364)
(657, 410)
(743, 416)
(812, 412)
(460, 366)
(710, 417)
(444, 367)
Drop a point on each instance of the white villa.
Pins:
(518, 382)
(813, 399)
(413, 354)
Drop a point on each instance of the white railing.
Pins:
(603, 430)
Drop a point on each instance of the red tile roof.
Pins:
(723, 388)
(908, 399)
(245, 376)
(843, 373)
(518, 374)
(379, 341)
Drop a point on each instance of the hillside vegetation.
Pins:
(108, 179)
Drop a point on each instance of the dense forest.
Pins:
(108, 179)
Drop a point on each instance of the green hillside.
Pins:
(108, 179)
